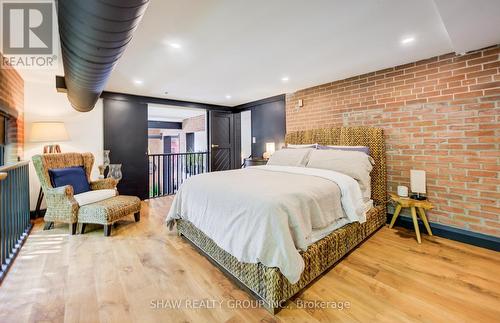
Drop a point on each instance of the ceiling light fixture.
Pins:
(407, 40)
(175, 45)
(228, 97)
(285, 79)
(138, 82)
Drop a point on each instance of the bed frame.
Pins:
(268, 284)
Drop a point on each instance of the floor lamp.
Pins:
(48, 132)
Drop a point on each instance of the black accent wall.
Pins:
(126, 136)
(268, 122)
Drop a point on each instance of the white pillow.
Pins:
(290, 157)
(292, 146)
(356, 164)
(94, 196)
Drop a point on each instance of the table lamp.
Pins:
(49, 132)
(417, 184)
(270, 148)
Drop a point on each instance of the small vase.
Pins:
(115, 171)
(105, 159)
(101, 168)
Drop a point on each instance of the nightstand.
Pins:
(414, 205)
(254, 161)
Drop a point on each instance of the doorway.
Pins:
(177, 146)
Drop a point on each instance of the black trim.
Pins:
(61, 84)
(164, 125)
(249, 105)
(149, 99)
(155, 136)
(469, 237)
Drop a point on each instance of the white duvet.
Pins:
(267, 214)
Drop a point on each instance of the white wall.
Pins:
(200, 141)
(85, 129)
(246, 134)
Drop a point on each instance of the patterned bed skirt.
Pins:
(267, 283)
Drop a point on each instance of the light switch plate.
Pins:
(254, 140)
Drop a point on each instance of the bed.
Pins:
(269, 284)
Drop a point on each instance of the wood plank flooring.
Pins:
(91, 278)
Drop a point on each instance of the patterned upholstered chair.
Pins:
(61, 204)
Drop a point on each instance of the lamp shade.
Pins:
(417, 181)
(48, 132)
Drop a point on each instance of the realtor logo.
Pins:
(27, 28)
(28, 34)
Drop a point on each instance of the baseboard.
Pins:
(469, 237)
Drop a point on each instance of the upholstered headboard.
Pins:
(352, 136)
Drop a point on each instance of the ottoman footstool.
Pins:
(108, 211)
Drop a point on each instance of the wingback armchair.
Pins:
(61, 205)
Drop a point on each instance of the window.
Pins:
(3, 127)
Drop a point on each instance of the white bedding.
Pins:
(267, 214)
(319, 234)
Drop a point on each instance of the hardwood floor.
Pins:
(91, 278)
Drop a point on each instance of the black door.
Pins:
(126, 136)
(221, 140)
(167, 144)
(190, 142)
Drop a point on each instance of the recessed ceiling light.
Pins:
(166, 92)
(407, 40)
(285, 79)
(228, 96)
(138, 82)
(174, 45)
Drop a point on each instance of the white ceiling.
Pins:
(160, 112)
(244, 48)
(471, 24)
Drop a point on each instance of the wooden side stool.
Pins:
(414, 205)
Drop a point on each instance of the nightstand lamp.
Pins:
(270, 149)
(417, 184)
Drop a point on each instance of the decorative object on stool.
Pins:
(403, 191)
(414, 205)
(47, 131)
(417, 183)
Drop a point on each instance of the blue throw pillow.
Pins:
(74, 176)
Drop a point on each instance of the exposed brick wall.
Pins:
(12, 99)
(441, 115)
(194, 124)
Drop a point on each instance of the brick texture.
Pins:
(194, 124)
(12, 99)
(441, 115)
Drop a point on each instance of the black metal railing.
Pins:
(168, 171)
(2, 155)
(14, 212)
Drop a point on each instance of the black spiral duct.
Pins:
(94, 35)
